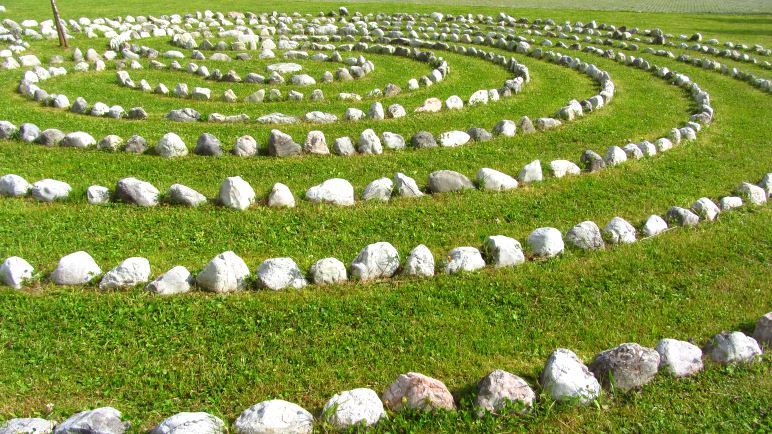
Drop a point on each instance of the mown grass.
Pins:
(150, 357)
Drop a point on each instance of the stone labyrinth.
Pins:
(267, 75)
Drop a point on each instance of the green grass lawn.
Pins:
(151, 357)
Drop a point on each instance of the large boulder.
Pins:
(236, 193)
(444, 181)
(15, 271)
(274, 417)
(546, 242)
(586, 236)
(336, 191)
(679, 358)
(137, 192)
(353, 408)
(49, 190)
(733, 347)
(503, 251)
(418, 392)
(627, 366)
(566, 378)
(226, 272)
(190, 423)
(280, 273)
(464, 259)
(175, 281)
(377, 260)
(75, 269)
(420, 262)
(500, 389)
(105, 420)
(129, 273)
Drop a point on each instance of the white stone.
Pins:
(619, 231)
(138, 192)
(105, 420)
(454, 103)
(566, 378)
(129, 273)
(393, 140)
(733, 347)
(546, 242)
(281, 197)
(15, 271)
(500, 388)
(451, 139)
(505, 128)
(32, 425)
(406, 186)
(49, 190)
(236, 193)
(183, 195)
(175, 281)
(190, 423)
(13, 186)
(615, 156)
(328, 271)
(376, 111)
(280, 273)
(369, 143)
(274, 417)
(336, 191)
(679, 358)
(354, 408)
(226, 272)
(380, 189)
(377, 260)
(752, 193)
(586, 236)
(706, 209)
(170, 146)
(493, 180)
(654, 225)
(503, 251)
(531, 172)
(464, 259)
(730, 202)
(561, 168)
(420, 262)
(479, 97)
(75, 269)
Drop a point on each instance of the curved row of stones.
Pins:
(229, 273)
(551, 30)
(565, 378)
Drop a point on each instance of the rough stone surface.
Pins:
(592, 162)
(274, 417)
(354, 408)
(328, 271)
(129, 273)
(280, 273)
(282, 145)
(13, 186)
(420, 262)
(226, 272)
(733, 347)
(49, 190)
(464, 259)
(451, 139)
(763, 331)
(343, 146)
(14, 272)
(245, 146)
(586, 236)
(682, 216)
(377, 260)
(208, 145)
(236, 193)
(171, 146)
(423, 139)
(444, 181)
(493, 180)
(190, 423)
(105, 420)
(281, 197)
(546, 242)
(615, 156)
(752, 193)
(179, 194)
(627, 366)
(137, 192)
(75, 269)
(503, 251)
(566, 378)
(706, 209)
(393, 140)
(32, 425)
(380, 189)
(531, 172)
(369, 143)
(406, 186)
(679, 358)
(505, 128)
(561, 168)
(336, 191)
(619, 231)
(654, 225)
(730, 202)
(78, 139)
(419, 392)
(175, 281)
(500, 388)
(316, 143)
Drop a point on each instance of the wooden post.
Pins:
(59, 29)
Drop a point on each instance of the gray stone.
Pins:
(733, 347)
(225, 273)
(464, 259)
(136, 145)
(706, 209)
(654, 225)
(175, 281)
(493, 180)
(105, 420)
(592, 162)
(7, 130)
(183, 115)
(500, 389)
(682, 217)
(443, 181)
(544, 124)
(546, 242)
(615, 156)
(505, 128)
(369, 143)
(29, 132)
(33, 425)
(282, 145)
(280, 273)
(406, 186)
(377, 260)
(525, 125)
(110, 143)
(393, 140)
(627, 366)
(418, 392)
(51, 137)
(76, 268)
(15, 272)
(586, 236)
(255, 97)
(566, 378)
(763, 331)
(354, 408)
(208, 145)
(380, 190)
(246, 146)
(752, 193)
(479, 134)
(49, 190)
(531, 172)
(423, 139)
(98, 195)
(503, 251)
(134, 191)
(619, 231)
(328, 271)
(129, 273)
(316, 143)
(318, 117)
(343, 146)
